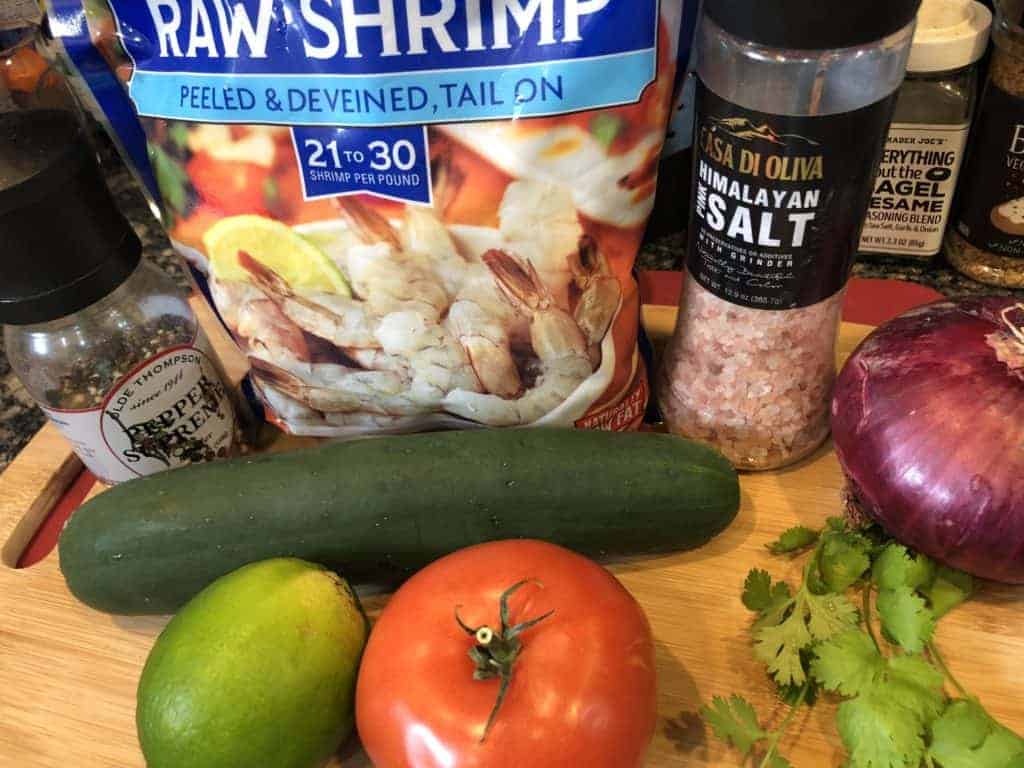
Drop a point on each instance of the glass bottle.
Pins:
(794, 101)
(106, 343)
(28, 79)
(913, 194)
(986, 242)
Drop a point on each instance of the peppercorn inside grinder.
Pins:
(104, 341)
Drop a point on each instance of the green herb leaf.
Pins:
(848, 664)
(778, 643)
(734, 722)
(879, 733)
(843, 559)
(906, 618)
(896, 713)
(828, 615)
(794, 540)
(965, 736)
(779, 649)
(757, 590)
(896, 567)
(761, 596)
(949, 589)
(912, 682)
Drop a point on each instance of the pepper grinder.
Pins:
(103, 340)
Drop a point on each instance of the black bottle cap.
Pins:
(811, 24)
(63, 243)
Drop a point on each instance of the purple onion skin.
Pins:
(928, 424)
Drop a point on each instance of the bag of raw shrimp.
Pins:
(409, 213)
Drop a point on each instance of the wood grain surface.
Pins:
(68, 674)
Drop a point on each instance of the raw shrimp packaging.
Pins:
(409, 214)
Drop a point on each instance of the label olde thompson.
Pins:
(171, 411)
(770, 193)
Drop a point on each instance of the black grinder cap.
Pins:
(63, 243)
(811, 24)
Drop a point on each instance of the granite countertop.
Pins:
(20, 418)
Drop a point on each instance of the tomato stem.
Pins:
(495, 652)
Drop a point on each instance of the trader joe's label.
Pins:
(779, 200)
(914, 189)
(170, 411)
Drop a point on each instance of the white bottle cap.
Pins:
(950, 34)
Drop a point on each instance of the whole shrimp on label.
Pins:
(331, 317)
(258, 323)
(596, 293)
(479, 318)
(437, 361)
(331, 388)
(383, 275)
(423, 230)
(539, 222)
(560, 346)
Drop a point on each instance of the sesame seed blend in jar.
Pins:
(793, 105)
(987, 241)
(913, 195)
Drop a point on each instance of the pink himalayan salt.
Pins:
(753, 383)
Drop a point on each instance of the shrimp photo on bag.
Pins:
(408, 215)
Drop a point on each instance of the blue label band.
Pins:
(535, 90)
(357, 80)
(389, 162)
(372, 37)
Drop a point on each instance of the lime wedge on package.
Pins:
(299, 262)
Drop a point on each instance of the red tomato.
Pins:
(582, 691)
(233, 187)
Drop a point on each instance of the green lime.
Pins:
(257, 671)
(301, 263)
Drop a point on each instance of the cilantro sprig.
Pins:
(894, 711)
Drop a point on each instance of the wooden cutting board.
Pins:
(68, 674)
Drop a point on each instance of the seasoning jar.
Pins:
(987, 240)
(107, 344)
(793, 103)
(913, 193)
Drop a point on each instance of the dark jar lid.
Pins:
(811, 24)
(64, 245)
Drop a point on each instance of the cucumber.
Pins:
(377, 510)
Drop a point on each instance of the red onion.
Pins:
(928, 421)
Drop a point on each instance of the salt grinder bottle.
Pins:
(794, 102)
(105, 342)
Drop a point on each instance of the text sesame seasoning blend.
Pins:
(913, 193)
(794, 101)
(105, 342)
